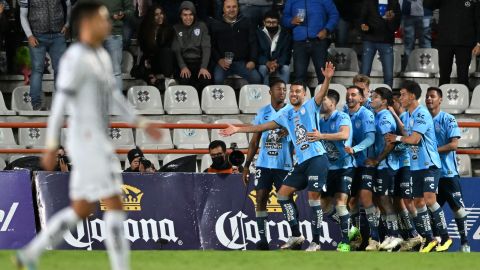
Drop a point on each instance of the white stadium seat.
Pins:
(3, 107)
(145, 142)
(239, 138)
(22, 102)
(253, 97)
(205, 163)
(464, 165)
(424, 88)
(182, 99)
(345, 61)
(32, 137)
(377, 69)
(340, 89)
(471, 68)
(219, 99)
(470, 137)
(145, 99)
(475, 103)
(374, 86)
(2, 164)
(190, 138)
(122, 138)
(455, 98)
(422, 63)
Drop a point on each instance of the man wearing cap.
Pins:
(134, 157)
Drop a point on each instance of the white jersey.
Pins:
(85, 87)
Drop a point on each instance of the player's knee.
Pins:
(430, 198)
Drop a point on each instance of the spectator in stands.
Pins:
(275, 48)
(254, 10)
(134, 157)
(155, 38)
(192, 48)
(416, 23)
(132, 23)
(458, 35)
(146, 166)
(119, 11)
(311, 22)
(63, 162)
(349, 19)
(44, 25)
(379, 21)
(234, 45)
(220, 163)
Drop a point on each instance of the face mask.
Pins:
(218, 161)
(272, 30)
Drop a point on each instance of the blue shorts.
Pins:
(339, 181)
(311, 173)
(265, 178)
(384, 182)
(403, 183)
(425, 181)
(363, 179)
(449, 190)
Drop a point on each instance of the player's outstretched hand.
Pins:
(246, 176)
(329, 70)
(153, 132)
(49, 160)
(349, 150)
(390, 138)
(229, 131)
(313, 136)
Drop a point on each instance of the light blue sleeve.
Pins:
(311, 106)
(367, 142)
(344, 121)
(453, 131)
(420, 123)
(369, 121)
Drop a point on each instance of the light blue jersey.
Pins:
(363, 122)
(298, 123)
(401, 150)
(446, 128)
(339, 159)
(275, 152)
(367, 104)
(385, 123)
(425, 154)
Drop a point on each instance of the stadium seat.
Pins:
(22, 102)
(2, 164)
(464, 165)
(253, 97)
(340, 89)
(239, 138)
(475, 104)
(122, 138)
(345, 61)
(455, 98)
(471, 68)
(219, 99)
(7, 140)
(145, 142)
(205, 163)
(150, 157)
(170, 157)
(422, 63)
(377, 69)
(424, 88)
(117, 164)
(146, 99)
(470, 137)
(190, 138)
(3, 107)
(374, 86)
(127, 62)
(32, 137)
(182, 99)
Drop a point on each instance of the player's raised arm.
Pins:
(249, 129)
(327, 72)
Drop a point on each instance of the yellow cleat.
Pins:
(444, 246)
(429, 246)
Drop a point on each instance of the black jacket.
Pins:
(380, 30)
(459, 21)
(238, 38)
(283, 51)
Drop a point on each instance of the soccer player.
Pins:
(336, 133)
(274, 159)
(85, 85)
(447, 133)
(363, 124)
(312, 164)
(387, 165)
(419, 133)
(363, 82)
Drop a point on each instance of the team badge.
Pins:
(302, 111)
(196, 32)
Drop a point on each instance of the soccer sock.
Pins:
(392, 225)
(407, 222)
(290, 213)
(261, 217)
(413, 217)
(317, 219)
(439, 221)
(355, 217)
(331, 212)
(344, 217)
(372, 222)
(52, 235)
(423, 223)
(461, 220)
(117, 245)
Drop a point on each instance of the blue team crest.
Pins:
(196, 32)
(332, 126)
(437, 127)
(302, 111)
(358, 123)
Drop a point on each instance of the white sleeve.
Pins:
(24, 21)
(68, 3)
(55, 121)
(127, 113)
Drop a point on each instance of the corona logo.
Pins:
(272, 205)
(132, 198)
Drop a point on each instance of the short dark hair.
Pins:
(333, 95)
(82, 10)
(302, 83)
(436, 89)
(217, 143)
(385, 93)
(360, 90)
(275, 81)
(396, 92)
(412, 87)
(361, 78)
(272, 14)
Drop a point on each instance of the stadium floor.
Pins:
(275, 260)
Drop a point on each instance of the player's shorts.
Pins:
(403, 183)
(384, 182)
(95, 173)
(339, 181)
(449, 190)
(265, 178)
(363, 179)
(311, 174)
(425, 181)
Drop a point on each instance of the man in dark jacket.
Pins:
(458, 35)
(234, 46)
(275, 49)
(379, 21)
(311, 21)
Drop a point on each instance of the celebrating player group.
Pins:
(383, 153)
